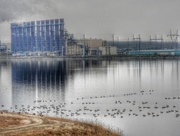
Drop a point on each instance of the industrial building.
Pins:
(91, 43)
(73, 50)
(38, 36)
(92, 46)
(4, 47)
(108, 50)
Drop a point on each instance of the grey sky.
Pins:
(96, 18)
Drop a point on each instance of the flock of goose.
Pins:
(141, 104)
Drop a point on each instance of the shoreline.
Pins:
(120, 57)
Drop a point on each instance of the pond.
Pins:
(138, 97)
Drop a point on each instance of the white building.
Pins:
(108, 50)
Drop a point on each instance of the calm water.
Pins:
(141, 98)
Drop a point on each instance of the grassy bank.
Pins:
(13, 124)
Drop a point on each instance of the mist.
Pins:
(96, 19)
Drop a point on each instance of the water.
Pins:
(139, 97)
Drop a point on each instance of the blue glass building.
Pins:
(43, 36)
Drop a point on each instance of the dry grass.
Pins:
(67, 131)
(7, 121)
(54, 127)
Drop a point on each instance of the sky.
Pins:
(97, 18)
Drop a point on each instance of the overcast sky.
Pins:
(96, 18)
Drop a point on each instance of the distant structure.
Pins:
(90, 46)
(38, 36)
(72, 48)
(157, 40)
(113, 36)
(139, 41)
(174, 37)
(3, 47)
(108, 50)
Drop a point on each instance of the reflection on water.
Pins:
(5, 83)
(44, 79)
(33, 80)
(136, 96)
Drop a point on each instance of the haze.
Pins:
(96, 18)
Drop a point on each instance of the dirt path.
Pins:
(42, 126)
(28, 122)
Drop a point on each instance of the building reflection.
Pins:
(5, 84)
(45, 79)
(22, 82)
(175, 76)
(37, 80)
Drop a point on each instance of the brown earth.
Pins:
(13, 124)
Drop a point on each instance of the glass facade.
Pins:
(44, 35)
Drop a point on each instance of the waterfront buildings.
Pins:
(90, 47)
(47, 37)
(38, 36)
